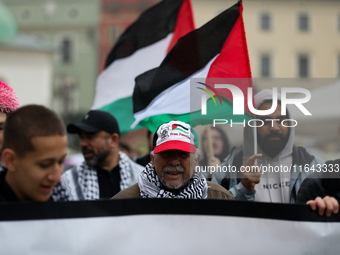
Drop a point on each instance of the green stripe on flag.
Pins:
(122, 110)
(181, 129)
(224, 111)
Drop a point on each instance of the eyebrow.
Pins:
(52, 159)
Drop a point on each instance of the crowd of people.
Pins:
(34, 144)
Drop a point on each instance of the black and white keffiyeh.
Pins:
(125, 171)
(81, 182)
(60, 193)
(151, 187)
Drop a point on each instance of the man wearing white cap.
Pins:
(171, 173)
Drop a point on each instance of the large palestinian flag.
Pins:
(216, 50)
(141, 47)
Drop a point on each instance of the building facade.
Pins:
(72, 27)
(286, 38)
(25, 62)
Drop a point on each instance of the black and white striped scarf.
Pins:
(85, 180)
(151, 187)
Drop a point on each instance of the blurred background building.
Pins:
(286, 38)
(71, 27)
(25, 62)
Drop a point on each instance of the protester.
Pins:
(220, 146)
(106, 170)
(8, 104)
(34, 150)
(276, 150)
(171, 173)
(321, 189)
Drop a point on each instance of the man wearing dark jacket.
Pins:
(322, 189)
(106, 170)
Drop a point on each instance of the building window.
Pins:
(25, 14)
(65, 94)
(265, 22)
(66, 50)
(304, 66)
(265, 65)
(303, 22)
(73, 13)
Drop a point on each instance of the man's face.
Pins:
(272, 136)
(174, 168)
(38, 171)
(95, 147)
(3, 117)
(217, 142)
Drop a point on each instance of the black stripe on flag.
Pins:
(153, 25)
(155, 206)
(191, 53)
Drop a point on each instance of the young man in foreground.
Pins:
(34, 150)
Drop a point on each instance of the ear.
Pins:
(198, 159)
(114, 140)
(10, 158)
(152, 156)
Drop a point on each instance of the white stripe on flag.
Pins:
(176, 99)
(118, 79)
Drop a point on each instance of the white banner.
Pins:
(159, 226)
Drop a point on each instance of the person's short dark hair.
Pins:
(28, 122)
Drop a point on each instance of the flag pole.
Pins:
(255, 143)
(210, 145)
(255, 140)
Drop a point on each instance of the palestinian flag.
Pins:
(180, 128)
(141, 47)
(216, 50)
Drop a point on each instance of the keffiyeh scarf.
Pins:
(151, 187)
(82, 182)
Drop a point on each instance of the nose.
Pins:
(83, 142)
(275, 126)
(55, 174)
(174, 159)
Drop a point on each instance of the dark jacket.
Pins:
(321, 184)
(6, 193)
